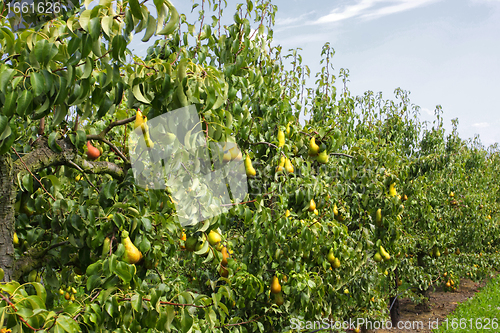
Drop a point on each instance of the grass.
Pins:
(478, 314)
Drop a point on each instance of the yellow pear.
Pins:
(330, 257)
(106, 247)
(288, 166)
(250, 170)
(275, 286)
(322, 157)
(281, 138)
(225, 256)
(336, 263)
(287, 213)
(335, 210)
(316, 212)
(288, 129)
(132, 255)
(378, 217)
(281, 165)
(15, 239)
(384, 253)
(235, 154)
(313, 147)
(312, 205)
(214, 237)
(139, 119)
(392, 190)
(227, 156)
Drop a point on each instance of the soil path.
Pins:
(442, 304)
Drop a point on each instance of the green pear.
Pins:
(322, 157)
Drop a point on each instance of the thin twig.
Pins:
(84, 174)
(15, 151)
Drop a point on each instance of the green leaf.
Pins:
(150, 30)
(138, 95)
(82, 137)
(52, 142)
(186, 321)
(62, 92)
(38, 83)
(107, 24)
(105, 106)
(85, 19)
(135, 8)
(23, 102)
(10, 103)
(7, 143)
(59, 114)
(4, 121)
(6, 76)
(45, 51)
(94, 28)
(40, 291)
(67, 324)
(136, 301)
(123, 272)
(89, 66)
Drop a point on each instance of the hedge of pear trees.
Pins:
(351, 200)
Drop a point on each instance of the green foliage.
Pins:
(77, 75)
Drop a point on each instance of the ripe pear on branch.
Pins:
(92, 152)
(141, 121)
(132, 254)
(288, 166)
(378, 217)
(312, 205)
(281, 138)
(322, 157)
(281, 165)
(275, 286)
(249, 169)
(313, 147)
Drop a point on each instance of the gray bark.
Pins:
(40, 158)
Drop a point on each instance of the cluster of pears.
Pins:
(141, 122)
(312, 207)
(276, 291)
(335, 262)
(449, 284)
(314, 150)
(285, 163)
(435, 252)
(69, 293)
(231, 152)
(381, 254)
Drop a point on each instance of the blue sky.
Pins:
(444, 52)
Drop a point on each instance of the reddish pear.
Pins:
(92, 152)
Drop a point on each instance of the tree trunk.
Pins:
(7, 198)
(40, 158)
(394, 303)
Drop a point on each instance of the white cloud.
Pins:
(369, 9)
(481, 125)
(429, 112)
(293, 20)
